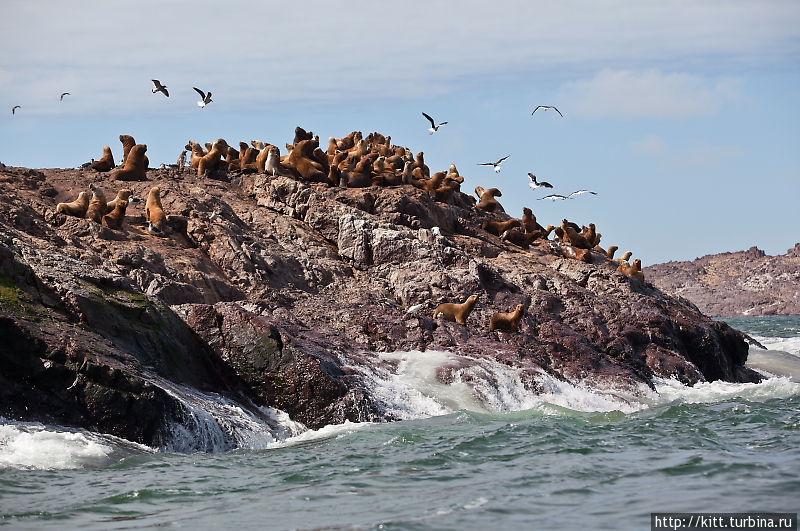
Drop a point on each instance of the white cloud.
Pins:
(697, 154)
(646, 94)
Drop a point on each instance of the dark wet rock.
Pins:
(280, 293)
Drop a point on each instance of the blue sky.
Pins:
(682, 115)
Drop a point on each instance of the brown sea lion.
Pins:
(625, 257)
(97, 205)
(488, 201)
(197, 153)
(499, 227)
(529, 222)
(633, 271)
(154, 212)
(211, 160)
(420, 163)
(519, 238)
(446, 191)
(452, 311)
(123, 194)
(430, 185)
(135, 168)
(507, 321)
(611, 251)
(301, 160)
(573, 238)
(301, 134)
(127, 144)
(75, 208)
(106, 163)
(114, 219)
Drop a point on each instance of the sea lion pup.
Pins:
(611, 251)
(181, 161)
(633, 271)
(488, 201)
(135, 168)
(106, 163)
(573, 238)
(625, 257)
(499, 227)
(301, 134)
(232, 158)
(114, 219)
(97, 205)
(211, 160)
(507, 321)
(517, 237)
(122, 195)
(273, 165)
(452, 311)
(154, 212)
(127, 144)
(407, 176)
(75, 208)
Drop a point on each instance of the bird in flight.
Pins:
(14, 109)
(433, 128)
(495, 165)
(206, 98)
(534, 184)
(554, 197)
(61, 98)
(160, 88)
(547, 107)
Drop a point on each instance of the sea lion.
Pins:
(625, 257)
(97, 205)
(446, 191)
(573, 238)
(430, 185)
(197, 153)
(507, 321)
(135, 165)
(247, 159)
(488, 201)
(522, 239)
(181, 161)
(301, 160)
(127, 144)
(75, 208)
(420, 163)
(106, 163)
(633, 271)
(211, 160)
(154, 212)
(611, 251)
(122, 195)
(529, 222)
(114, 219)
(301, 134)
(452, 311)
(499, 227)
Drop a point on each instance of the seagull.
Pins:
(436, 231)
(61, 98)
(206, 97)
(579, 192)
(415, 308)
(160, 88)
(433, 128)
(495, 165)
(534, 184)
(553, 197)
(547, 107)
(14, 109)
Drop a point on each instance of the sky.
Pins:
(683, 116)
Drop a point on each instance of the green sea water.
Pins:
(715, 447)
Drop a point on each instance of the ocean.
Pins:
(464, 457)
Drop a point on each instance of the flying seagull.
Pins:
(206, 98)
(534, 184)
(14, 109)
(579, 192)
(547, 107)
(160, 88)
(433, 128)
(495, 165)
(553, 197)
(61, 98)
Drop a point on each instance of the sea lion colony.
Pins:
(353, 161)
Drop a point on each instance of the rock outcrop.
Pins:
(740, 283)
(275, 292)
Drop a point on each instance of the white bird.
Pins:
(553, 197)
(160, 88)
(436, 231)
(579, 192)
(495, 165)
(547, 107)
(415, 308)
(14, 109)
(206, 98)
(61, 98)
(433, 128)
(534, 184)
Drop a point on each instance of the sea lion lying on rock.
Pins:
(633, 271)
(75, 208)
(487, 199)
(106, 163)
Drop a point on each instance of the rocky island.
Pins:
(735, 284)
(275, 292)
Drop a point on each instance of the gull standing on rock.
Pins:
(495, 165)
(159, 87)
(534, 184)
(433, 128)
(205, 98)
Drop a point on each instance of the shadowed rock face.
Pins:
(276, 292)
(730, 284)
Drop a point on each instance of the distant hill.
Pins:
(740, 283)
